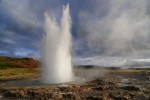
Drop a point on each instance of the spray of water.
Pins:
(56, 49)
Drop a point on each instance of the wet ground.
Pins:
(113, 85)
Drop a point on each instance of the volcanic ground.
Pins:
(90, 83)
(115, 85)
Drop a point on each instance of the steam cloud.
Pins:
(109, 27)
(57, 66)
(122, 30)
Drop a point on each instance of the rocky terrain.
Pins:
(114, 86)
(20, 80)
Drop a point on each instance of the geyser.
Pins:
(56, 49)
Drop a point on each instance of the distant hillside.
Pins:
(18, 62)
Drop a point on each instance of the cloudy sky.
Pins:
(99, 27)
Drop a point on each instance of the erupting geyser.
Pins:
(56, 49)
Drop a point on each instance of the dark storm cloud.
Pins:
(21, 24)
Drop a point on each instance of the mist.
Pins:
(123, 30)
(103, 28)
(56, 46)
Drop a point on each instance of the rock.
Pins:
(94, 98)
(1, 96)
(98, 88)
(68, 96)
(131, 88)
(98, 81)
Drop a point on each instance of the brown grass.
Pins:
(15, 73)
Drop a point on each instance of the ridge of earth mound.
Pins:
(9, 62)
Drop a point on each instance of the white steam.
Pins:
(57, 66)
(123, 30)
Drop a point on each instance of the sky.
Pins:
(99, 27)
(22, 24)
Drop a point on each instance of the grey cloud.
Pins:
(123, 28)
(24, 19)
(21, 24)
(106, 27)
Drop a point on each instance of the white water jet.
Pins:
(56, 58)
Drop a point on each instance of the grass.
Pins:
(14, 73)
(9, 71)
(18, 67)
(5, 65)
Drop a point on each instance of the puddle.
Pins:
(124, 82)
(26, 82)
(38, 82)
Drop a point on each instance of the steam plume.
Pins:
(122, 30)
(56, 52)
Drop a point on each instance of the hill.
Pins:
(6, 62)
